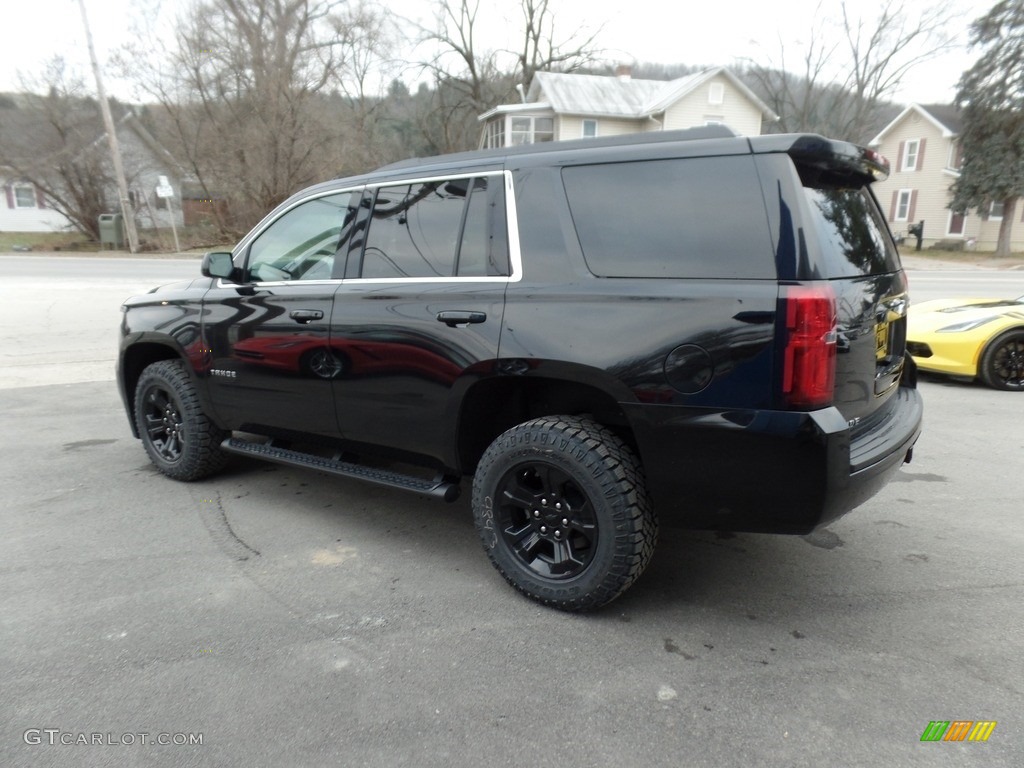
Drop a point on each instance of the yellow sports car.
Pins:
(970, 337)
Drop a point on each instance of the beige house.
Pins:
(562, 106)
(923, 148)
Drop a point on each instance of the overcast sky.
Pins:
(684, 31)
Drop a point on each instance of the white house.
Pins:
(567, 106)
(922, 145)
(23, 208)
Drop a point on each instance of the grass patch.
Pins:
(193, 239)
(45, 241)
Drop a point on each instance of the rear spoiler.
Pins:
(839, 158)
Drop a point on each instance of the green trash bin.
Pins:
(111, 230)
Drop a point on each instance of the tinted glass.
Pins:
(851, 232)
(415, 230)
(302, 243)
(699, 217)
(438, 229)
(484, 250)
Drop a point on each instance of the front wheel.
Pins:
(180, 439)
(562, 511)
(1002, 363)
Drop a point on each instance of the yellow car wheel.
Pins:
(1002, 363)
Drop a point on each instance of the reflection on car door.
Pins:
(421, 318)
(272, 364)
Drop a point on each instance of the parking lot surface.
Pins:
(289, 618)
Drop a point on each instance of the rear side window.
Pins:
(851, 231)
(679, 218)
(442, 228)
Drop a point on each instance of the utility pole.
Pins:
(127, 214)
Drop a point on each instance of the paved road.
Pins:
(301, 620)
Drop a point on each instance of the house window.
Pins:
(956, 155)
(904, 205)
(911, 152)
(714, 119)
(495, 134)
(716, 93)
(956, 224)
(995, 211)
(24, 196)
(531, 130)
(589, 129)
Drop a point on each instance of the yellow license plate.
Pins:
(881, 340)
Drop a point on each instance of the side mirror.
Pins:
(217, 264)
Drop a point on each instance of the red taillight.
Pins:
(809, 360)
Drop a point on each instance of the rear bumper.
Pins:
(769, 471)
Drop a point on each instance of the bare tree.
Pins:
(471, 77)
(53, 142)
(244, 95)
(541, 49)
(851, 66)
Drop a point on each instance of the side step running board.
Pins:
(441, 487)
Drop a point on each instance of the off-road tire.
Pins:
(600, 538)
(180, 439)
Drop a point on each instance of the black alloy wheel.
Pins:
(546, 520)
(561, 507)
(324, 363)
(164, 425)
(1002, 364)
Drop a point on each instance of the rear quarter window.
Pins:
(851, 231)
(676, 218)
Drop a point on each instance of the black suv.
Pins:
(703, 326)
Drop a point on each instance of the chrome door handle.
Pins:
(306, 315)
(453, 318)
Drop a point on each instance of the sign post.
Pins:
(165, 191)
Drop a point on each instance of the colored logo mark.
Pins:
(958, 730)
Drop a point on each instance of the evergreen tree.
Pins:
(991, 95)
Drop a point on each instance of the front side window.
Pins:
(443, 228)
(24, 196)
(302, 244)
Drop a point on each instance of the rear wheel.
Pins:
(561, 508)
(1002, 363)
(180, 439)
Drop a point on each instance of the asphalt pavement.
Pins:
(285, 618)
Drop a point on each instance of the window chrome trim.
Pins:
(511, 223)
